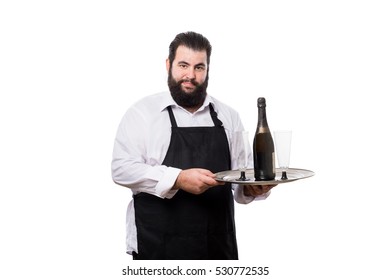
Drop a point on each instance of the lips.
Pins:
(188, 84)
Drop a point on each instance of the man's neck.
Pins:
(192, 109)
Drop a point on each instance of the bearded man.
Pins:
(167, 149)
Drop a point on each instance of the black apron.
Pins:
(190, 226)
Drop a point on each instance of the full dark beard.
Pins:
(187, 99)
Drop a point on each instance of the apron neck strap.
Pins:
(172, 117)
(214, 116)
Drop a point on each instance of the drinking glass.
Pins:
(283, 147)
(241, 152)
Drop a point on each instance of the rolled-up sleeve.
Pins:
(130, 167)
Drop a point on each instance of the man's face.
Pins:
(188, 77)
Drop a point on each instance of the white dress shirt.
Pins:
(142, 141)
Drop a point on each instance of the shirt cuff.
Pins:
(164, 186)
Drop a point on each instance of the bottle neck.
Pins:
(262, 125)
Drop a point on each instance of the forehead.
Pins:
(185, 54)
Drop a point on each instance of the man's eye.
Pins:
(200, 68)
(184, 66)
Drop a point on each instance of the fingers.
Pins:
(196, 180)
(209, 179)
(206, 177)
(256, 190)
(252, 191)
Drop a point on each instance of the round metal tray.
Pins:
(293, 174)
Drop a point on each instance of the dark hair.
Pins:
(192, 40)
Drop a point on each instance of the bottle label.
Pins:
(263, 129)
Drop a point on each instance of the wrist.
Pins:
(176, 185)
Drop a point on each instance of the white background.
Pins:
(70, 69)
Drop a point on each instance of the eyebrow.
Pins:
(200, 64)
(184, 62)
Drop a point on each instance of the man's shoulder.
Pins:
(156, 97)
(222, 106)
(154, 102)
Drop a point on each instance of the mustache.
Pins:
(192, 81)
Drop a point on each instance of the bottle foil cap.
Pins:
(261, 102)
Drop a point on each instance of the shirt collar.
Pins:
(168, 101)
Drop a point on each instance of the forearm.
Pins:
(139, 177)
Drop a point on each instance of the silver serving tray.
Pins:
(293, 174)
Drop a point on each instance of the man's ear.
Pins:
(167, 64)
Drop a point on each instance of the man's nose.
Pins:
(190, 74)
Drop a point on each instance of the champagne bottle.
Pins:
(263, 146)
